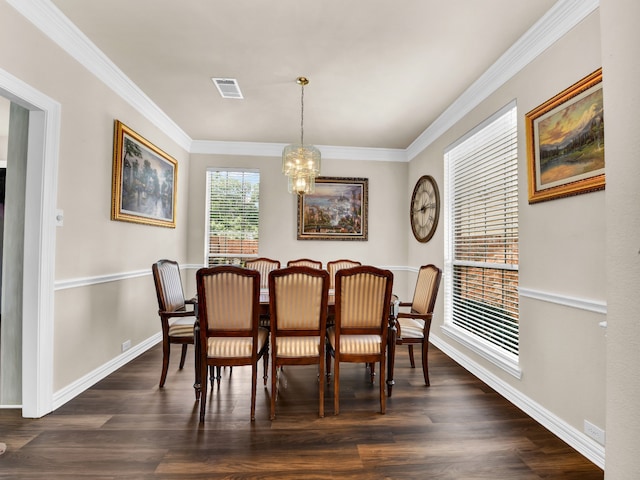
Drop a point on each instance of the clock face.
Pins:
(425, 208)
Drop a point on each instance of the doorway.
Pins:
(39, 243)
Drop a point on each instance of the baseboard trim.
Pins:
(575, 438)
(76, 388)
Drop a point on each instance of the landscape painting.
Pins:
(337, 210)
(144, 181)
(566, 142)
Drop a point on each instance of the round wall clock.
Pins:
(425, 208)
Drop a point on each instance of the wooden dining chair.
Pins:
(230, 335)
(335, 265)
(264, 265)
(298, 305)
(413, 326)
(305, 262)
(362, 304)
(177, 314)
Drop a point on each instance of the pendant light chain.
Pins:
(302, 116)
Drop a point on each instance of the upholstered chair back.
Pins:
(305, 262)
(169, 286)
(334, 266)
(264, 266)
(362, 300)
(424, 296)
(299, 301)
(231, 308)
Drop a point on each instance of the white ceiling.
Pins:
(380, 72)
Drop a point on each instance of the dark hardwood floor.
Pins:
(126, 427)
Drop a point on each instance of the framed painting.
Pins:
(337, 210)
(565, 142)
(144, 181)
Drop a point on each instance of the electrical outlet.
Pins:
(126, 345)
(594, 432)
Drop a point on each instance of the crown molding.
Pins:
(53, 23)
(560, 18)
(275, 150)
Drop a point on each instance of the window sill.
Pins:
(504, 360)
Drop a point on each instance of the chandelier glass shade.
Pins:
(300, 162)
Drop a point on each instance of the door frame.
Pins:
(39, 243)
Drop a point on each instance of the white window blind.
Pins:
(233, 210)
(482, 251)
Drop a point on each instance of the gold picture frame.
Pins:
(565, 142)
(144, 181)
(337, 210)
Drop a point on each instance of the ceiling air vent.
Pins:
(228, 87)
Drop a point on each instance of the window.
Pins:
(232, 216)
(481, 261)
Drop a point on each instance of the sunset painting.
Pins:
(571, 140)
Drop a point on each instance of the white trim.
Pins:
(572, 436)
(88, 281)
(76, 388)
(39, 243)
(596, 306)
(116, 277)
(560, 18)
(53, 23)
(498, 356)
(275, 150)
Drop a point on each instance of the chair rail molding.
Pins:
(596, 306)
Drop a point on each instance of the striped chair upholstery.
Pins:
(363, 297)
(230, 335)
(305, 262)
(298, 306)
(335, 265)
(264, 266)
(413, 326)
(176, 318)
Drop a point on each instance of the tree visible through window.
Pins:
(481, 265)
(233, 209)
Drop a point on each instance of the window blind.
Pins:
(482, 177)
(233, 210)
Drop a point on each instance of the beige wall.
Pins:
(92, 321)
(387, 215)
(621, 70)
(562, 250)
(567, 248)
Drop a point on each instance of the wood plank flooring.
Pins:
(125, 427)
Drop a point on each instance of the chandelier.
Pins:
(300, 162)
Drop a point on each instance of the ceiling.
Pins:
(380, 72)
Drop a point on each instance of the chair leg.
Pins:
(372, 371)
(254, 378)
(336, 387)
(217, 376)
(413, 363)
(425, 362)
(203, 394)
(274, 388)
(328, 364)
(265, 365)
(183, 355)
(165, 361)
(321, 387)
(383, 398)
